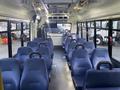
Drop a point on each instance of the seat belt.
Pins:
(1, 82)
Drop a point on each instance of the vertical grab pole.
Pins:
(29, 31)
(77, 30)
(87, 31)
(81, 31)
(110, 40)
(22, 35)
(9, 39)
(95, 34)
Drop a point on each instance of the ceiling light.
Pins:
(39, 9)
(38, 17)
(66, 15)
(76, 8)
(47, 21)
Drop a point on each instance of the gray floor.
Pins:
(60, 76)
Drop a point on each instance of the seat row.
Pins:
(43, 47)
(30, 68)
(89, 64)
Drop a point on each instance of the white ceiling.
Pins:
(59, 1)
(16, 9)
(100, 9)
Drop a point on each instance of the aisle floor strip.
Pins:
(60, 76)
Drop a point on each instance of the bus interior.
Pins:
(59, 45)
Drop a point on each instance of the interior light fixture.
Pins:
(39, 9)
(47, 21)
(38, 17)
(76, 7)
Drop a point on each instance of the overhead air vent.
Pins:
(58, 19)
(59, 1)
(55, 17)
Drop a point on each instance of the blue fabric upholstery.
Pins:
(49, 46)
(102, 80)
(33, 45)
(35, 76)
(67, 42)
(64, 38)
(47, 41)
(79, 65)
(89, 46)
(99, 54)
(81, 40)
(24, 50)
(71, 48)
(38, 39)
(10, 73)
(51, 42)
(71, 45)
(45, 53)
(23, 54)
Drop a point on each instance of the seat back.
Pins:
(96, 79)
(46, 56)
(67, 42)
(89, 46)
(71, 48)
(33, 45)
(81, 62)
(72, 45)
(10, 73)
(99, 54)
(35, 76)
(79, 52)
(81, 40)
(23, 53)
(44, 50)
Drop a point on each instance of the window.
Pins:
(104, 24)
(13, 26)
(84, 30)
(98, 24)
(3, 26)
(102, 34)
(116, 40)
(90, 32)
(3, 40)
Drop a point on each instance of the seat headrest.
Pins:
(32, 44)
(43, 50)
(89, 45)
(101, 52)
(38, 39)
(81, 40)
(24, 51)
(9, 64)
(102, 78)
(80, 53)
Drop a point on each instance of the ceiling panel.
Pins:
(59, 1)
(15, 9)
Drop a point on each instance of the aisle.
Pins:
(60, 77)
